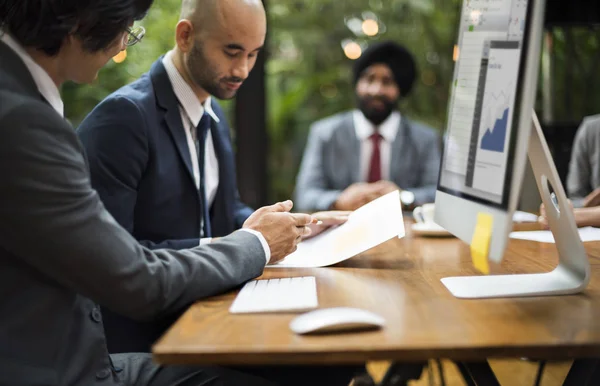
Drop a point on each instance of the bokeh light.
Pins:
(352, 50)
(370, 27)
(120, 57)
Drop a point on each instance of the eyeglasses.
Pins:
(134, 35)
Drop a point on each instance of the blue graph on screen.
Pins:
(493, 139)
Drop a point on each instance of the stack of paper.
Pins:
(586, 234)
(367, 227)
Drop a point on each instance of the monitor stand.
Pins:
(573, 271)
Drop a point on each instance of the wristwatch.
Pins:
(407, 198)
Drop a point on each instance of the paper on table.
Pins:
(520, 216)
(586, 234)
(367, 227)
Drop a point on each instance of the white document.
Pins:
(520, 216)
(586, 234)
(367, 227)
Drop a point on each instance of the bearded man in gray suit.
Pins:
(356, 156)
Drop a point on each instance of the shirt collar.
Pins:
(185, 95)
(42, 80)
(388, 128)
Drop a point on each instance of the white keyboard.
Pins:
(290, 294)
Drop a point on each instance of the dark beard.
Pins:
(205, 76)
(376, 116)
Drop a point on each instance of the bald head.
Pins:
(208, 14)
(218, 42)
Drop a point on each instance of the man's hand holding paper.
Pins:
(365, 228)
(326, 220)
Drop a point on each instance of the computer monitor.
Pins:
(489, 127)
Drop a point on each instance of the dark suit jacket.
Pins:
(62, 253)
(332, 158)
(141, 166)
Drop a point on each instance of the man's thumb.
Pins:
(284, 206)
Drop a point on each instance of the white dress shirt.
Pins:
(191, 111)
(42, 80)
(388, 130)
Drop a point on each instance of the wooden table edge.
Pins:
(170, 357)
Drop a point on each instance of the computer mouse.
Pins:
(336, 319)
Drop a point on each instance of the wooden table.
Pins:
(400, 280)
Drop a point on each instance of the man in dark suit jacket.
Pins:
(159, 149)
(61, 253)
(147, 177)
(144, 164)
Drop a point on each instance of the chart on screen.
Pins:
(494, 114)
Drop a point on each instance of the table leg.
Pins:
(478, 373)
(400, 373)
(464, 371)
(583, 372)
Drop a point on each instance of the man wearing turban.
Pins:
(356, 156)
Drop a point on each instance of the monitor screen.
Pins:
(479, 135)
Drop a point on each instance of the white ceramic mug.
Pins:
(425, 214)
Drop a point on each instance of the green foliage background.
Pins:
(308, 75)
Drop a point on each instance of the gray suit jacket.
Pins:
(62, 254)
(332, 157)
(584, 168)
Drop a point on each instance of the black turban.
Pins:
(398, 59)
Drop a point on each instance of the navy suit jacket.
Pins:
(141, 166)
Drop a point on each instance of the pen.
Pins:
(316, 221)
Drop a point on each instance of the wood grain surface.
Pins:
(400, 280)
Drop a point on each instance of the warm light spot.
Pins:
(456, 53)
(352, 50)
(120, 57)
(370, 27)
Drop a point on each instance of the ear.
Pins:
(184, 35)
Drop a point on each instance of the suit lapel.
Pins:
(221, 149)
(166, 99)
(221, 211)
(353, 151)
(401, 151)
(175, 127)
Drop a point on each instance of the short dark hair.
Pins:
(44, 24)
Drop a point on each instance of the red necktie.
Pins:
(375, 167)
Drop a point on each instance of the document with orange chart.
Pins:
(367, 227)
